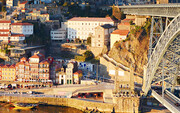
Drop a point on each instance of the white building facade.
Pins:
(83, 27)
(22, 28)
(5, 24)
(12, 37)
(9, 3)
(58, 35)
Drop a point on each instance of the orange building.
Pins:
(34, 69)
(77, 76)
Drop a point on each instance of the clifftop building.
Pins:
(83, 27)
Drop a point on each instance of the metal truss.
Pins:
(156, 31)
(164, 61)
(163, 10)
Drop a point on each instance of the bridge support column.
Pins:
(144, 79)
(163, 85)
(155, 33)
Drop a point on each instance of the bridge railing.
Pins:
(168, 105)
(172, 96)
(160, 49)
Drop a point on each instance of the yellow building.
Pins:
(8, 73)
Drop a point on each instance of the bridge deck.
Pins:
(163, 10)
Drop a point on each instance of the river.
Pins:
(41, 109)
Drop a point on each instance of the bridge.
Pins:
(164, 51)
(163, 10)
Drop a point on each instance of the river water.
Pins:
(41, 109)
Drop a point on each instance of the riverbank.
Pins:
(125, 104)
(70, 102)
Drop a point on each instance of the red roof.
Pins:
(5, 66)
(125, 23)
(25, 2)
(21, 24)
(35, 56)
(78, 72)
(24, 59)
(17, 35)
(44, 62)
(91, 19)
(5, 21)
(38, 55)
(121, 32)
(4, 30)
(12, 66)
(4, 35)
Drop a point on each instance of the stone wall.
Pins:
(123, 104)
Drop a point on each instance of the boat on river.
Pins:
(24, 106)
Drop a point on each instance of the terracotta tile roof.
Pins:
(91, 19)
(127, 20)
(12, 66)
(20, 63)
(5, 35)
(21, 24)
(17, 35)
(35, 56)
(4, 30)
(44, 62)
(78, 72)
(121, 32)
(25, 2)
(24, 58)
(125, 23)
(5, 21)
(5, 66)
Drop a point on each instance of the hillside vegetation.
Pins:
(134, 49)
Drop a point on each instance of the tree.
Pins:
(3, 9)
(131, 22)
(88, 55)
(116, 12)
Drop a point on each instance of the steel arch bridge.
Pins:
(164, 63)
(165, 59)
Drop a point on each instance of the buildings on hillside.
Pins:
(14, 32)
(58, 35)
(101, 38)
(22, 28)
(84, 27)
(37, 68)
(37, 15)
